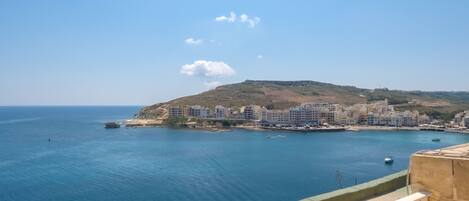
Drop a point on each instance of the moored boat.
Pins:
(112, 125)
(388, 160)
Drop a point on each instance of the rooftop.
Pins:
(458, 151)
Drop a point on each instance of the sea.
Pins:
(64, 153)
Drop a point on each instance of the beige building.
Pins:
(424, 119)
(275, 116)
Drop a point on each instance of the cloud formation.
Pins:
(193, 41)
(260, 56)
(243, 18)
(229, 19)
(207, 69)
(252, 22)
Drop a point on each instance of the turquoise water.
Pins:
(84, 161)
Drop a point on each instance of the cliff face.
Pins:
(285, 94)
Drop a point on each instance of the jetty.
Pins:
(433, 129)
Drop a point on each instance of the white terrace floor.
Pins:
(392, 196)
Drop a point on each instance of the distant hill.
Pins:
(285, 94)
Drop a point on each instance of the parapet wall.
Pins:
(366, 190)
(444, 173)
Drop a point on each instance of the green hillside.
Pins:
(285, 94)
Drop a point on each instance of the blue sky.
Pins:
(132, 52)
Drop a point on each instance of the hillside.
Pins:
(285, 94)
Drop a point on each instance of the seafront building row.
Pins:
(378, 113)
(461, 120)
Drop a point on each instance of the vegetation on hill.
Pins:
(285, 94)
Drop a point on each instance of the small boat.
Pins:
(388, 160)
(112, 125)
(436, 139)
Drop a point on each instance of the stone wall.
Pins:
(365, 191)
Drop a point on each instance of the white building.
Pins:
(395, 119)
(466, 121)
(198, 111)
(410, 118)
(373, 119)
(406, 118)
(220, 112)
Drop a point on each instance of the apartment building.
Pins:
(306, 114)
(275, 116)
(198, 111)
(466, 121)
(175, 112)
(220, 112)
(249, 112)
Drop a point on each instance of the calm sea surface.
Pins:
(84, 161)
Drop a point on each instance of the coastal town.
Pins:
(307, 117)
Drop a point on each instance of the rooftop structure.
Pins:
(458, 152)
(444, 173)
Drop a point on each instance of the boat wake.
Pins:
(275, 136)
(14, 121)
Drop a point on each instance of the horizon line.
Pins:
(78, 105)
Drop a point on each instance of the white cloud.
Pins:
(212, 84)
(193, 41)
(229, 19)
(243, 18)
(260, 56)
(252, 22)
(207, 69)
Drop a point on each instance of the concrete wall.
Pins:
(447, 179)
(366, 190)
